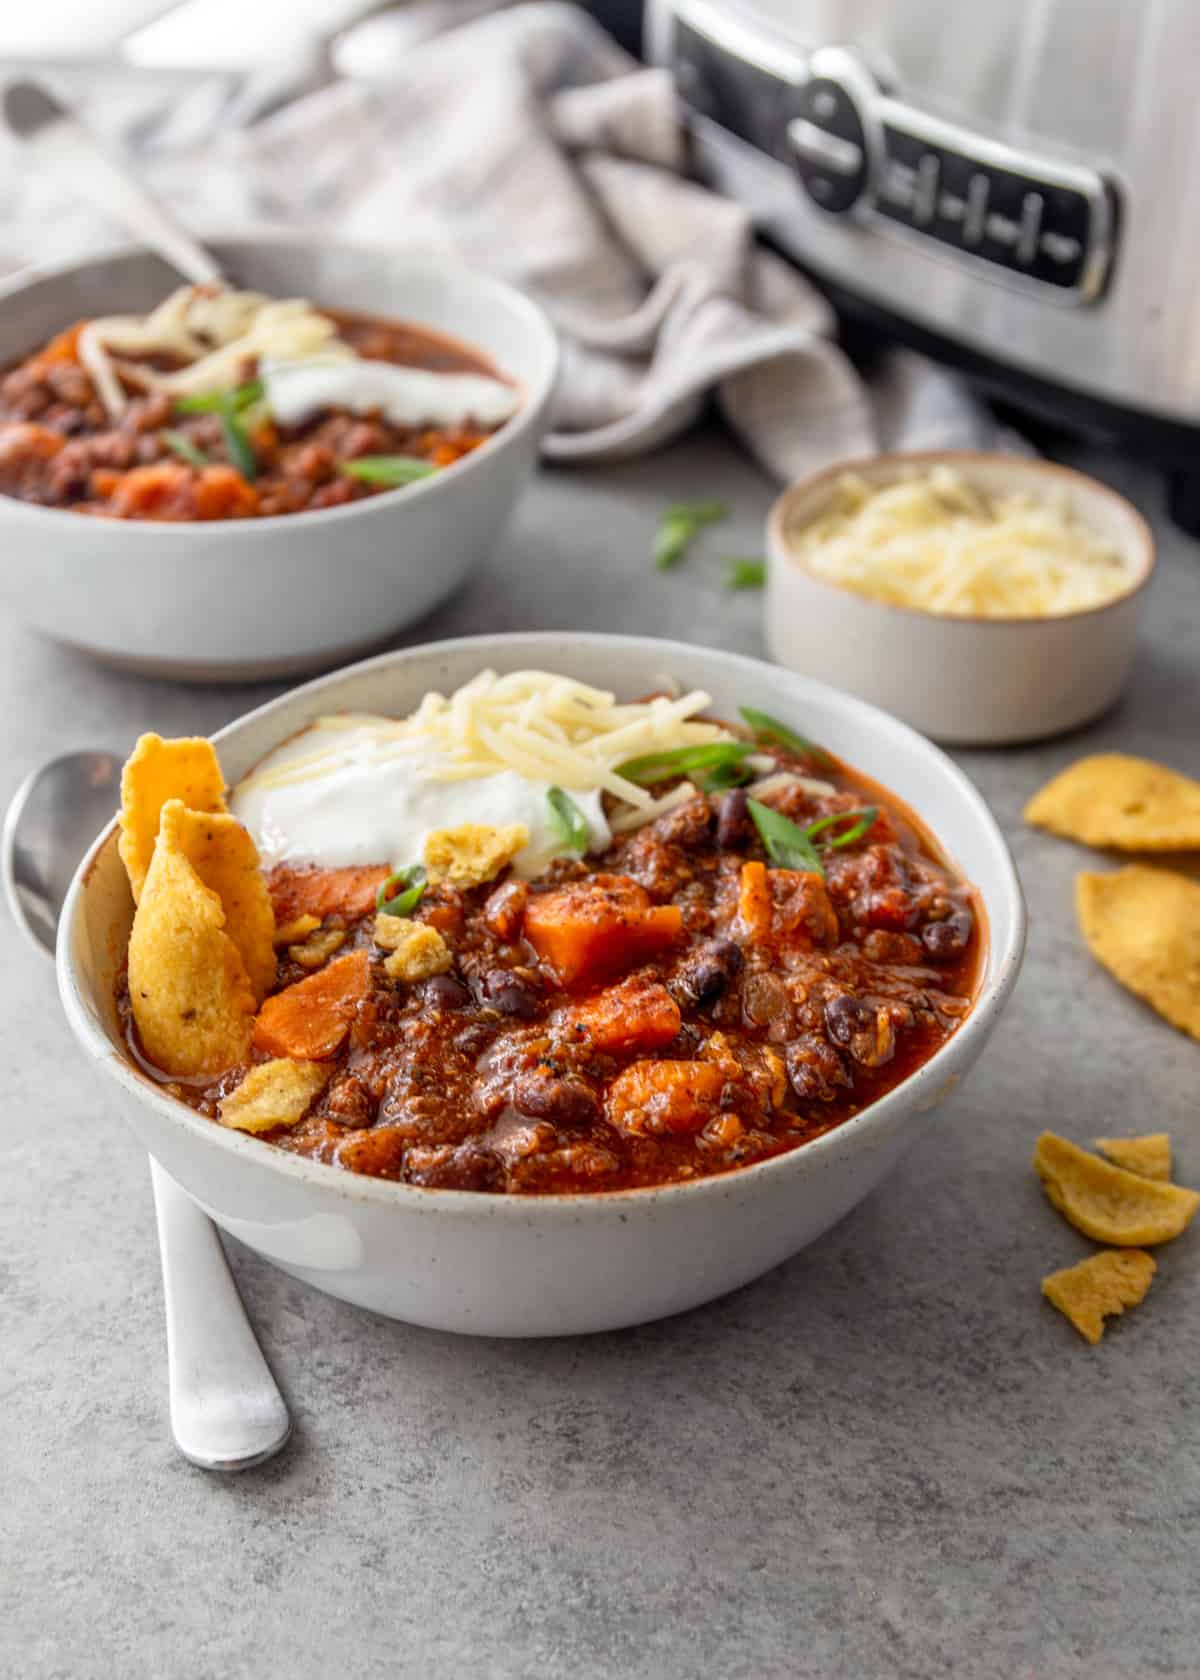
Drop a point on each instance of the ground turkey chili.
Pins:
(124, 437)
(696, 998)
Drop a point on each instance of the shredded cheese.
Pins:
(544, 727)
(936, 543)
(213, 332)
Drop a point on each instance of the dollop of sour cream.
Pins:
(407, 396)
(356, 794)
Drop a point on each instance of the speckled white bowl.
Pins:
(977, 681)
(547, 1265)
(239, 599)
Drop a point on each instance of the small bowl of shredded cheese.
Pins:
(981, 598)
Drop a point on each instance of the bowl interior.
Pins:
(100, 910)
(1104, 511)
(442, 295)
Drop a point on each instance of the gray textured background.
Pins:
(887, 1458)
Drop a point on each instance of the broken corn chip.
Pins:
(472, 853)
(191, 997)
(417, 951)
(1131, 804)
(1148, 1156)
(273, 1094)
(1143, 924)
(1100, 1287)
(156, 771)
(1105, 1202)
(225, 858)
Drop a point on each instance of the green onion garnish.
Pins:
(787, 845)
(746, 574)
(388, 469)
(679, 524)
(411, 881)
(216, 402)
(180, 444)
(567, 821)
(237, 444)
(860, 822)
(682, 761)
(725, 776)
(768, 728)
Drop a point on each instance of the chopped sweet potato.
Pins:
(594, 928)
(655, 1097)
(789, 905)
(639, 1014)
(63, 348)
(324, 892)
(309, 1020)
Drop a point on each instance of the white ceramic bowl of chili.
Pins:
(963, 680)
(512, 1265)
(234, 600)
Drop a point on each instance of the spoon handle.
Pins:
(38, 118)
(226, 1411)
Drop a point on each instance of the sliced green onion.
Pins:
(388, 469)
(700, 513)
(216, 402)
(746, 574)
(770, 729)
(682, 761)
(787, 845)
(180, 444)
(567, 821)
(860, 821)
(411, 881)
(678, 525)
(237, 444)
(725, 776)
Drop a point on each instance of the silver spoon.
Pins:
(226, 1410)
(59, 141)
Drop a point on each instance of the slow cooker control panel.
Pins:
(1034, 218)
(863, 153)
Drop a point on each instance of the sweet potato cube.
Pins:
(325, 892)
(639, 1014)
(309, 1020)
(650, 1098)
(595, 928)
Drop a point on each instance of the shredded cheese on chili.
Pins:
(546, 728)
(213, 332)
(934, 542)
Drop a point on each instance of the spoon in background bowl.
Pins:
(226, 1410)
(58, 141)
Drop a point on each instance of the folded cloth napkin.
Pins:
(525, 142)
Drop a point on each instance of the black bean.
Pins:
(687, 825)
(815, 1070)
(733, 822)
(563, 1101)
(861, 1028)
(511, 994)
(704, 975)
(950, 938)
(443, 991)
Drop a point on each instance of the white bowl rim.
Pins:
(1142, 568)
(183, 531)
(805, 1158)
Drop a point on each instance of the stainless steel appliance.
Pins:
(1012, 186)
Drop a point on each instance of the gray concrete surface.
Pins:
(887, 1458)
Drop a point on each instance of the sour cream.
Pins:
(352, 792)
(407, 396)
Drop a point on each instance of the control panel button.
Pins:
(828, 143)
(1021, 222)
